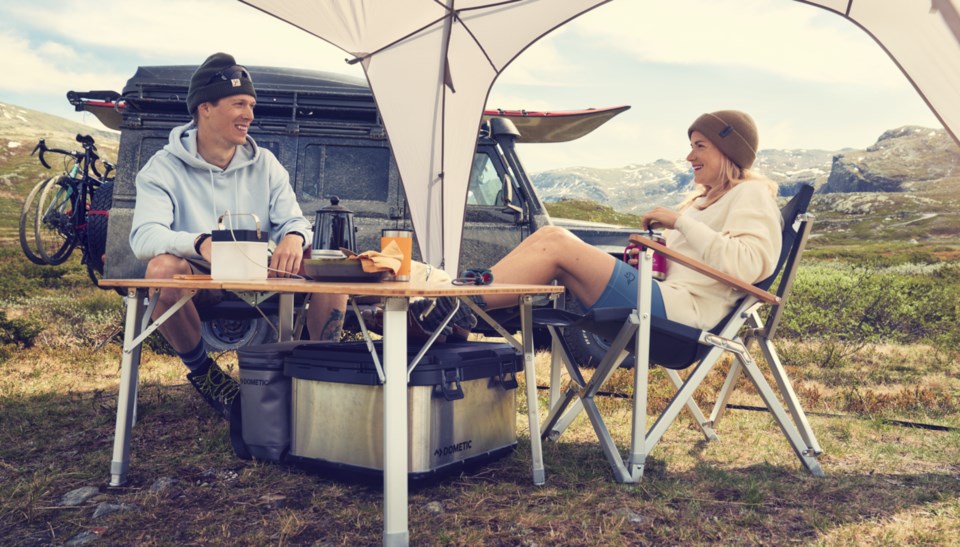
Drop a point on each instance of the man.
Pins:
(208, 167)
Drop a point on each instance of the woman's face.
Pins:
(706, 160)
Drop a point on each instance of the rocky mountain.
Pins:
(904, 159)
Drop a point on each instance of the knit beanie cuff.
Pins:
(218, 77)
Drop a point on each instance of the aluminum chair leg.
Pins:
(566, 359)
(610, 450)
(804, 451)
(789, 396)
(682, 396)
(723, 396)
(613, 358)
(706, 426)
(783, 382)
(555, 367)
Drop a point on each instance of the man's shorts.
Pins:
(205, 298)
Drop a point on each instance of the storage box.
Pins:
(461, 401)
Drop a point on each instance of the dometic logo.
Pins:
(253, 382)
(453, 449)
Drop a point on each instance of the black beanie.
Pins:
(733, 132)
(213, 80)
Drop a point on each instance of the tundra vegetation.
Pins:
(870, 339)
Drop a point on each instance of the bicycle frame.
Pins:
(67, 211)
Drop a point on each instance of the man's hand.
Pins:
(287, 257)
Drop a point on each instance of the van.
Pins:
(325, 129)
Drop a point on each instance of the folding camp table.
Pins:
(397, 297)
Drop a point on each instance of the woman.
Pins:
(731, 222)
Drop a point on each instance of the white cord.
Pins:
(233, 235)
(250, 258)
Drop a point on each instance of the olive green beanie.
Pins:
(733, 132)
(218, 77)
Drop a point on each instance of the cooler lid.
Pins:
(270, 356)
(351, 363)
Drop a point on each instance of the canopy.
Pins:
(923, 39)
(430, 65)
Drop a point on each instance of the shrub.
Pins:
(16, 333)
(848, 306)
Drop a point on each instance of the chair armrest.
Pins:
(704, 269)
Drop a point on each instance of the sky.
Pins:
(811, 79)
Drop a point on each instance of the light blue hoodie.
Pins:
(180, 196)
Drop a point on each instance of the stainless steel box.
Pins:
(462, 406)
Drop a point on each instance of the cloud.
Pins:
(179, 31)
(47, 68)
(789, 39)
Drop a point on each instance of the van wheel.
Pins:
(226, 334)
(588, 349)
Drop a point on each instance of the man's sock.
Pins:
(196, 359)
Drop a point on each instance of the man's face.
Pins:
(229, 119)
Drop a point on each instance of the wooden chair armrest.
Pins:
(704, 269)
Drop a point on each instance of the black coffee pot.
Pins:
(333, 227)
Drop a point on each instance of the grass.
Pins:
(885, 484)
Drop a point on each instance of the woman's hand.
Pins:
(661, 217)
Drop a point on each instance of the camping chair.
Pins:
(675, 346)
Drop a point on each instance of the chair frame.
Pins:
(745, 327)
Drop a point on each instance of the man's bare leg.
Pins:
(325, 316)
(182, 329)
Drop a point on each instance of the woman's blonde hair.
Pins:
(730, 176)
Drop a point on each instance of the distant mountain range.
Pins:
(907, 159)
(905, 187)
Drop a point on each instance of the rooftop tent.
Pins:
(430, 65)
(923, 39)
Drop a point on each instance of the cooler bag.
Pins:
(265, 398)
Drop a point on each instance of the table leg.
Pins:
(126, 400)
(530, 374)
(395, 435)
(285, 317)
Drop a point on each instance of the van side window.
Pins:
(357, 171)
(485, 184)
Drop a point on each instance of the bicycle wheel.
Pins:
(98, 216)
(55, 232)
(28, 224)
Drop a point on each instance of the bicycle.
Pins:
(56, 210)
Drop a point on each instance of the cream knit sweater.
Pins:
(739, 235)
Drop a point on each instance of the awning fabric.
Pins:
(430, 65)
(923, 39)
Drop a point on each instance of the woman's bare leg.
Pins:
(553, 253)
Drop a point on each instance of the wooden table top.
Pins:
(385, 288)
